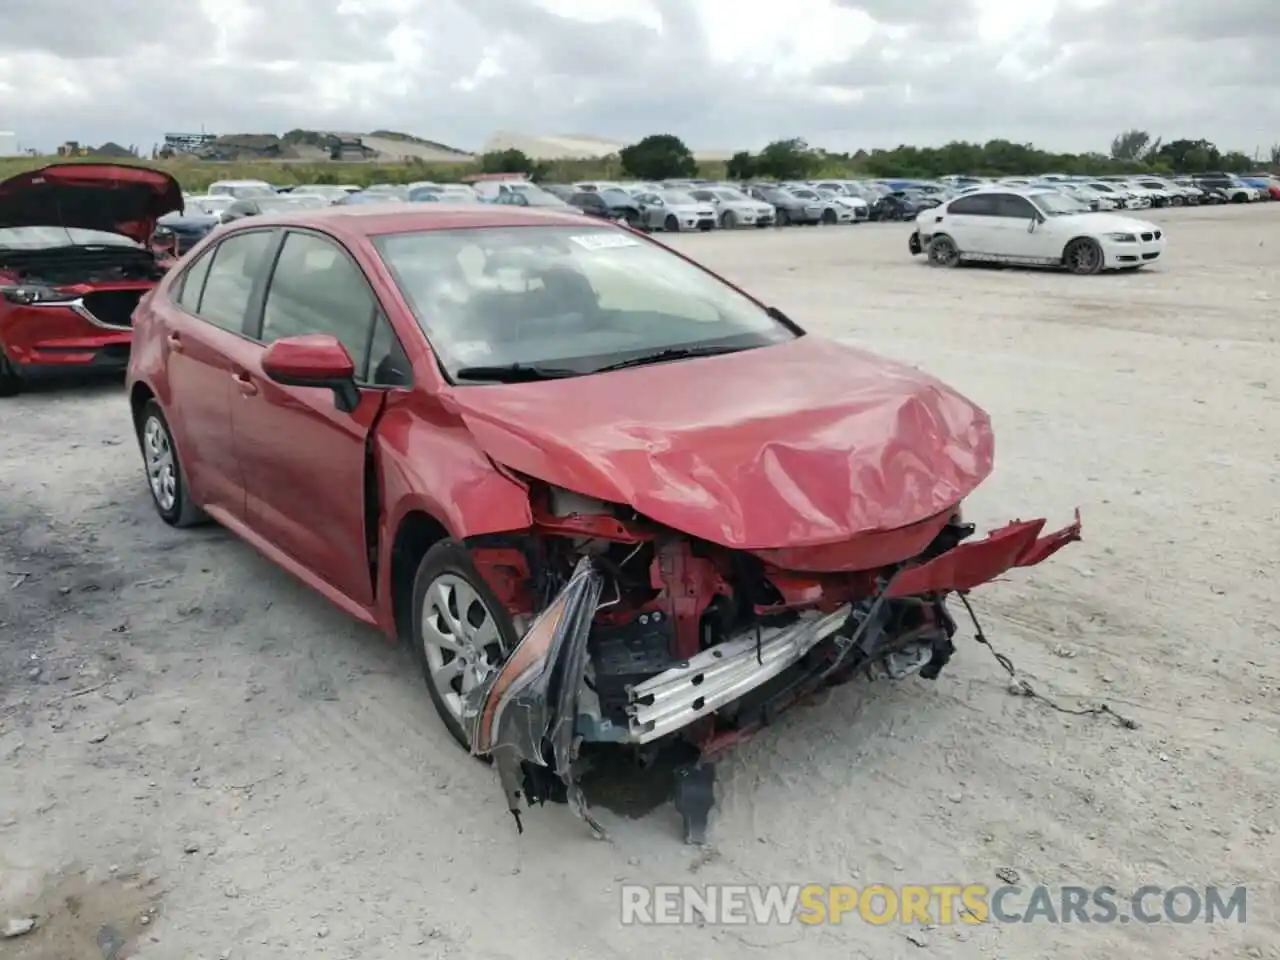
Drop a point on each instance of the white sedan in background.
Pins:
(1034, 227)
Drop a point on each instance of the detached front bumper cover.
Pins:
(526, 713)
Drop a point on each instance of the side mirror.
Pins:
(314, 360)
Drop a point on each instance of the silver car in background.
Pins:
(675, 210)
(735, 208)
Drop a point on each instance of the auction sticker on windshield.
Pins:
(604, 241)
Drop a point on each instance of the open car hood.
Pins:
(110, 197)
(800, 444)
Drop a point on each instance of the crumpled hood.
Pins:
(799, 444)
(110, 197)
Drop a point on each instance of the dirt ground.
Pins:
(199, 758)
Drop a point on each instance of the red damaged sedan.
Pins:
(75, 259)
(604, 495)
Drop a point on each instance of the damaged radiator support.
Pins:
(678, 696)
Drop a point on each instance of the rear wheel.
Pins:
(10, 381)
(165, 477)
(784, 218)
(461, 632)
(1083, 256)
(632, 218)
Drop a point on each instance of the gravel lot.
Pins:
(191, 739)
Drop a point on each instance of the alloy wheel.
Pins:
(460, 638)
(162, 473)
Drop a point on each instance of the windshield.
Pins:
(540, 198)
(804, 194)
(41, 238)
(309, 200)
(734, 195)
(1057, 204)
(576, 298)
(246, 191)
(678, 197)
(1100, 187)
(321, 190)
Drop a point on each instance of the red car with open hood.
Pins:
(605, 496)
(75, 259)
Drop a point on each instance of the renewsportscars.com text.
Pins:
(946, 903)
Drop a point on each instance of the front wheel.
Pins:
(461, 632)
(632, 219)
(1083, 256)
(728, 220)
(784, 218)
(671, 224)
(165, 477)
(10, 381)
(829, 216)
(943, 252)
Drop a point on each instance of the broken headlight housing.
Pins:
(27, 294)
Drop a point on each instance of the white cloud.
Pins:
(1065, 74)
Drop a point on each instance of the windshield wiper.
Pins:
(670, 353)
(515, 373)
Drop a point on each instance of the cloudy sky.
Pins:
(723, 74)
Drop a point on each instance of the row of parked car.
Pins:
(698, 204)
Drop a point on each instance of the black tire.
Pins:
(784, 218)
(1083, 256)
(1178, 201)
(1239, 198)
(671, 224)
(450, 558)
(728, 220)
(632, 218)
(913, 244)
(10, 379)
(829, 216)
(183, 511)
(943, 252)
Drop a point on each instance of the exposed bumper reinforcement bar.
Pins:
(678, 696)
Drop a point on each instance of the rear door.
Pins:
(968, 222)
(204, 333)
(303, 458)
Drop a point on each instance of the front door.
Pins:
(201, 336)
(304, 459)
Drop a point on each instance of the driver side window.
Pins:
(1014, 207)
(317, 288)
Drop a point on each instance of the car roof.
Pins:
(375, 219)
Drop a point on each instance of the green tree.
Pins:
(787, 160)
(741, 166)
(1130, 145)
(507, 161)
(1191, 156)
(1237, 162)
(658, 157)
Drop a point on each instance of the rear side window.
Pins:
(229, 283)
(193, 283)
(976, 204)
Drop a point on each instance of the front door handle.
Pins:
(245, 385)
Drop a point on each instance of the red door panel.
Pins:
(303, 461)
(198, 368)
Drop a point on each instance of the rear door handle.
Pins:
(244, 384)
(175, 342)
